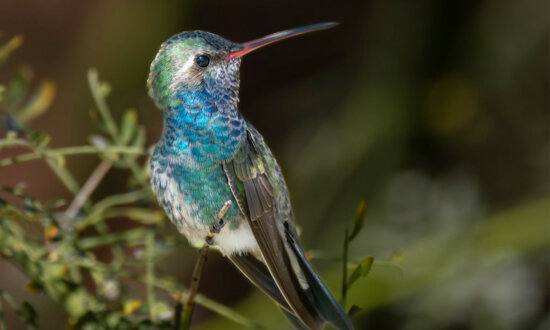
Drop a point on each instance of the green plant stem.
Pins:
(62, 173)
(195, 280)
(2, 318)
(64, 176)
(150, 274)
(87, 189)
(345, 270)
(81, 150)
(102, 107)
(96, 212)
(112, 238)
(10, 46)
(197, 272)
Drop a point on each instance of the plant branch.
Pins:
(99, 99)
(193, 288)
(345, 270)
(81, 150)
(87, 189)
(150, 274)
(197, 272)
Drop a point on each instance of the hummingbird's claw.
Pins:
(217, 226)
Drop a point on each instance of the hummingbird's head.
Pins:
(202, 61)
(190, 61)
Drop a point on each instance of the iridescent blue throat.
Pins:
(202, 130)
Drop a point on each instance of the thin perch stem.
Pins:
(345, 270)
(150, 274)
(195, 280)
(95, 88)
(193, 288)
(2, 319)
(87, 189)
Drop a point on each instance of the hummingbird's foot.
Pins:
(210, 239)
(216, 227)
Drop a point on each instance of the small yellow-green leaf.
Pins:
(10, 46)
(104, 89)
(29, 206)
(162, 311)
(51, 232)
(29, 314)
(39, 102)
(39, 139)
(139, 140)
(131, 306)
(17, 89)
(55, 203)
(33, 287)
(360, 271)
(128, 127)
(55, 271)
(354, 310)
(359, 220)
(397, 257)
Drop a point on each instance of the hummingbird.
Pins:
(209, 155)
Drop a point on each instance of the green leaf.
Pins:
(39, 102)
(29, 315)
(39, 139)
(128, 127)
(139, 140)
(29, 206)
(360, 271)
(17, 89)
(354, 310)
(359, 221)
(99, 92)
(9, 47)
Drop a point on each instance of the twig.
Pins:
(63, 174)
(197, 272)
(53, 153)
(87, 189)
(345, 270)
(2, 319)
(150, 274)
(98, 95)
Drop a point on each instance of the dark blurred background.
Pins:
(435, 112)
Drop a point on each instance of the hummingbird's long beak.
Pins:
(250, 46)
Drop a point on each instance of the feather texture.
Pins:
(256, 181)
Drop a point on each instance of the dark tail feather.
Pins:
(294, 320)
(278, 262)
(259, 275)
(321, 297)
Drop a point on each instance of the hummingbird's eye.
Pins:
(202, 61)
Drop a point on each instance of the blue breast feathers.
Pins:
(202, 131)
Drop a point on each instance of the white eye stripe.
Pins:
(182, 72)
